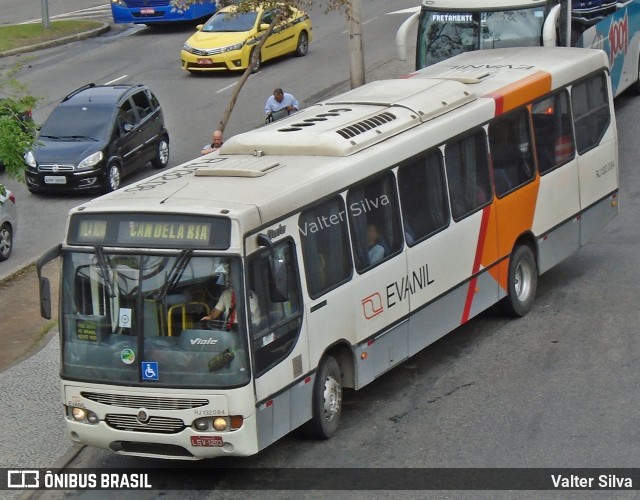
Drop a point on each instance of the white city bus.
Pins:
(327, 248)
(449, 27)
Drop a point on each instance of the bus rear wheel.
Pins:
(523, 282)
(327, 401)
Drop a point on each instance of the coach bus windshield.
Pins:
(135, 319)
(445, 34)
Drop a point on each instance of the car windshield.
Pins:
(230, 22)
(442, 35)
(137, 320)
(82, 122)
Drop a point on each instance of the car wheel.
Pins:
(113, 178)
(303, 44)
(6, 241)
(162, 154)
(258, 64)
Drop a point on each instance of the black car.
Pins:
(95, 137)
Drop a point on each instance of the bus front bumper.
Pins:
(185, 445)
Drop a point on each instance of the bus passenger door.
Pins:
(280, 354)
(556, 223)
(596, 143)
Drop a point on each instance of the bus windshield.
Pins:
(136, 319)
(442, 35)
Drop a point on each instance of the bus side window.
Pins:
(468, 174)
(511, 151)
(423, 196)
(590, 111)
(274, 325)
(375, 221)
(552, 131)
(325, 246)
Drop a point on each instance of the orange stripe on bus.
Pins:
(518, 93)
(482, 237)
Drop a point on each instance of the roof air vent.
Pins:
(366, 125)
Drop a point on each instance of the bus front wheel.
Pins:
(327, 400)
(523, 282)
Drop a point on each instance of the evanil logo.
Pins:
(199, 341)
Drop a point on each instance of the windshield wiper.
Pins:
(104, 269)
(49, 136)
(175, 272)
(78, 137)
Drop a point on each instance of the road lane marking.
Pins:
(116, 80)
(363, 23)
(98, 9)
(225, 88)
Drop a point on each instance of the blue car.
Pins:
(157, 11)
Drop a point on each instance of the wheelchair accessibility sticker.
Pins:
(149, 370)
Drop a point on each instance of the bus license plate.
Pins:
(147, 12)
(205, 61)
(55, 179)
(215, 441)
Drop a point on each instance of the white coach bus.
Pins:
(211, 309)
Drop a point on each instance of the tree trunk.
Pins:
(356, 53)
(245, 76)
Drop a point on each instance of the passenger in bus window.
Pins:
(374, 248)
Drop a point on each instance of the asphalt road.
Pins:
(193, 105)
(18, 11)
(557, 388)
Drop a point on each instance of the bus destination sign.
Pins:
(150, 230)
(189, 233)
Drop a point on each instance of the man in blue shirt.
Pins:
(281, 101)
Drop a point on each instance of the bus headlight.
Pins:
(202, 424)
(220, 424)
(79, 414)
(82, 415)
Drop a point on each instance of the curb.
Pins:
(59, 41)
(17, 271)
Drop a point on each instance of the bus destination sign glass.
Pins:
(150, 230)
(164, 233)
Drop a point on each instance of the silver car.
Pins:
(8, 222)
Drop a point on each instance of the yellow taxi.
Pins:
(228, 39)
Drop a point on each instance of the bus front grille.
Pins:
(150, 403)
(159, 425)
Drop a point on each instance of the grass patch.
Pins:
(21, 35)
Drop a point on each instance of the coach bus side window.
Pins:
(274, 325)
(375, 222)
(325, 246)
(423, 196)
(511, 151)
(467, 170)
(552, 131)
(590, 111)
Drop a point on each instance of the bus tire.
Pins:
(522, 284)
(326, 400)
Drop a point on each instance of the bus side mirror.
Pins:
(43, 283)
(278, 279)
(45, 298)
(264, 26)
(199, 27)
